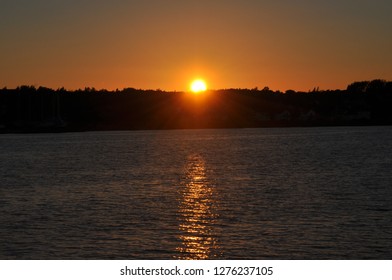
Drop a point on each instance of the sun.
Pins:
(198, 86)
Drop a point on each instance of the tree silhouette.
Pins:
(28, 108)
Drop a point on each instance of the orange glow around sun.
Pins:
(198, 86)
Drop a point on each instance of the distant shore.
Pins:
(28, 109)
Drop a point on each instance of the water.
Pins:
(280, 193)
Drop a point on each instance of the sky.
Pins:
(165, 44)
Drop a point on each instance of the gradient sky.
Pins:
(164, 44)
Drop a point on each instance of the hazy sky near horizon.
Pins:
(165, 44)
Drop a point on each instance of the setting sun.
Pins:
(198, 86)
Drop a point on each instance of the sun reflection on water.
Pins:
(197, 212)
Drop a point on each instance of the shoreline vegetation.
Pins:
(27, 109)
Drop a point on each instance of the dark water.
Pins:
(292, 193)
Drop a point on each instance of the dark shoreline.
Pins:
(28, 109)
(81, 130)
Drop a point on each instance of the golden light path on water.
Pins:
(197, 212)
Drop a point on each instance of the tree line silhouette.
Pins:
(31, 109)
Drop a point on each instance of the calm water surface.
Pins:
(282, 193)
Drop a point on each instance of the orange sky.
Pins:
(165, 44)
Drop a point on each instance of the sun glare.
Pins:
(198, 86)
